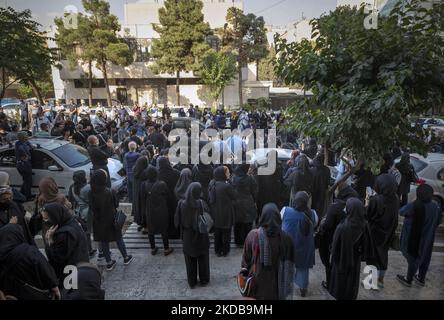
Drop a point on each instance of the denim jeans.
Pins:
(120, 245)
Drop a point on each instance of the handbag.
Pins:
(204, 221)
(119, 219)
(246, 278)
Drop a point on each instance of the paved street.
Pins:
(159, 277)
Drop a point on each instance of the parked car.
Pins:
(6, 101)
(11, 109)
(430, 170)
(58, 159)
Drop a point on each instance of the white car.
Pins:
(430, 170)
(11, 110)
(55, 158)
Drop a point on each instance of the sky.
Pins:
(275, 12)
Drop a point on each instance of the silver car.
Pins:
(430, 170)
(58, 159)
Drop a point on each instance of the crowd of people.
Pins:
(279, 220)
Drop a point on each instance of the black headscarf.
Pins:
(300, 203)
(11, 236)
(355, 216)
(98, 182)
(79, 178)
(303, 164)
(164, 164)
(386, 186)
(424, 195)
(151, 174)
(270, 220)
(58, 214)
(190, 204)
(140, 166)
(219, 174)
(404, 164)
(185, 180)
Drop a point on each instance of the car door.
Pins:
(41, 161)
(8, 164)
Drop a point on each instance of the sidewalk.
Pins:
(164, 278)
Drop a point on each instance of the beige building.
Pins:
(137, 83)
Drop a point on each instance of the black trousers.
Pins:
(222, 238)
(404, 199)
(166, 243)
(241, 231)
(26, 173)
(194, 265)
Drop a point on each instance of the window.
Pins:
(42, 161)
(84, 83)
(72, 155)
(7, 158)
(417, 164)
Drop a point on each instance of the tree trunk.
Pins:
(36, 90)
(241, 100)
(178, 88)
(105, 78)
(257, 70)
(90, 78)
(3, 89)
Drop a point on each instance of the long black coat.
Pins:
(170, 176)
(13, 209)
(321, 179)
(270, 189)
(103, 208)
(333, 217)
(69, 247)
(246, 192)
(139, 178)
(18, 260)
(382, 216)
(195, 244)
(154, 196)
(222, 199)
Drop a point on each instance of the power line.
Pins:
(271, 7)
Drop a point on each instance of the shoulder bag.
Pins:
(204, 221)
(246, 278)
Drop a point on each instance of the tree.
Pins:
(218, 70)
(105, 45)
(182, 41)
(244, 36)
(266, 70)
(24, 55)
(24, 91)
(366, 83)
(76, 45)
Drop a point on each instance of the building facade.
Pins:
(137, 83)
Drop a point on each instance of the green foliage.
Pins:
(266, 70)
(263, 104)
(366, 83)
(24, 91)
(218, 70)
(245, 36)
(24, 55)
(96, 38)
(182, 41)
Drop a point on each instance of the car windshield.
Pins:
(417, 164)
(72, 155)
